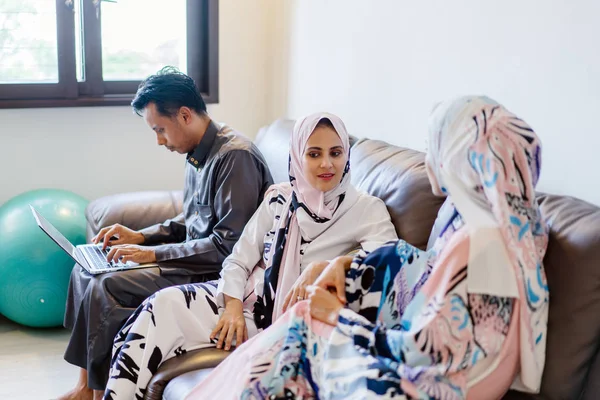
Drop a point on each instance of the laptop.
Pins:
(90, 256)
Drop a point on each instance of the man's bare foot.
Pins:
(78, 393)
(81, 390)
(98, 394)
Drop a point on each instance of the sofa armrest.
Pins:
(176, 366)
(136, 210)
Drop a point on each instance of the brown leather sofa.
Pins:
(397, 175)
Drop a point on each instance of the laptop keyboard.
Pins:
(99, 257)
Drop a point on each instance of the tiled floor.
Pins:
(31, 363)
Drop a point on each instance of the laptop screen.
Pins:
(54, 234)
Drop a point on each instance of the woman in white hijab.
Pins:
(317, 216)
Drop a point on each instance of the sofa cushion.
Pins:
(273, 142)
(135, 210)
(397, 176)
(591, 387)
(572, 266)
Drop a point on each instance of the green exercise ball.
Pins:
(34, 271)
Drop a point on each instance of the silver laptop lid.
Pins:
(58, 237)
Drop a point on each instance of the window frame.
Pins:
(202, 62)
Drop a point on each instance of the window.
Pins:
(96, 52)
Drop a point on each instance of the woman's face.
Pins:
(324, 160)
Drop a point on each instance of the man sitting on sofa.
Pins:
(225, 180)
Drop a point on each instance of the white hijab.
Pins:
(314, 212)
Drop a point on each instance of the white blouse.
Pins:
(366, 224)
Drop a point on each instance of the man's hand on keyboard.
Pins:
(131, 252)
(117, 234)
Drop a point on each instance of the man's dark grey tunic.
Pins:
(225, 180)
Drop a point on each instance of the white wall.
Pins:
(381, 65)
(104, 150)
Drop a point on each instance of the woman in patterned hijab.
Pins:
(466, 319)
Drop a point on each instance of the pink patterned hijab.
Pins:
(491, 166)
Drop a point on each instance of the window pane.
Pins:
(79, 54)
(139, 38)
(28, 51)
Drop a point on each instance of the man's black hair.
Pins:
(169, 90)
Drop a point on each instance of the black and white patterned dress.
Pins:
(181, 318)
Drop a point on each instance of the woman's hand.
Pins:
(333, 277)
(308, 277)
(323, 306)
(231, 323)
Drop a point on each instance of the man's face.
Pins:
(171, 132)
